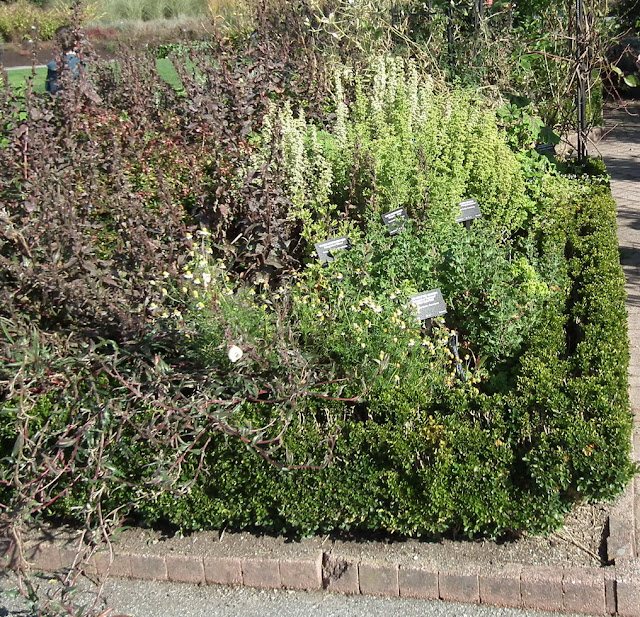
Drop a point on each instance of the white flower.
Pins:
(188, 275)
(235, 353)
(206, 279)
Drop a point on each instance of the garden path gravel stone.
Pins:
(620, 150)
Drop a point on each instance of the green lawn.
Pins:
(18, 77)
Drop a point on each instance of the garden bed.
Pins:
(176, 350)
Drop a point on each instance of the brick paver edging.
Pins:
(589, 591)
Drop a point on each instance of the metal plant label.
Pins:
(469, 210)
(395, 220)
(327, 248)
(428, 304)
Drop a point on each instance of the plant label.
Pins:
(469, 210)
(546, 149)
(428, 304)
(394, 220)
(327, 248)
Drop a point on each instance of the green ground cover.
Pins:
(18, 77)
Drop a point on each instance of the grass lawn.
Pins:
(18, 77)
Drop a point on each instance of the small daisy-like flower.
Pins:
(197, 281)
(165, 274)
(165, 315)
(362, 345)
(339, 276)
(411, 343)
(164, 291)
(153, 306)
(195, 293)
(200, 306)
(177, 314)
(396, 378)
(188, 274)
(152, 283)
(235, 353)
(189, 236)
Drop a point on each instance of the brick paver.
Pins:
(620, 150)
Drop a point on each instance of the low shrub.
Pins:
(23, 20)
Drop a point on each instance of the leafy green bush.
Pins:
(23, 20)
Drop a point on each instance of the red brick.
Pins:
(378, 579)
(6, 555)
(583, 590)
(542, 588)
(340, 575)
(183, 569)
(222, 571)
(459, 586)
(610, 591)
(628, 594)
(419, 582)
(148, 567)
(68, 557)
(120, 567)
(46, 557)
(501, 586)
(304, 574)
(261, 573)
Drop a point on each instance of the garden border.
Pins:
(605, 590)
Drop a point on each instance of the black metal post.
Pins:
(581, 78)
(477, 13)
(450, 35)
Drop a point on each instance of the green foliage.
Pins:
(23, 20)
(114, 11)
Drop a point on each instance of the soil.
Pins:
(24, 56)
(579, 543)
